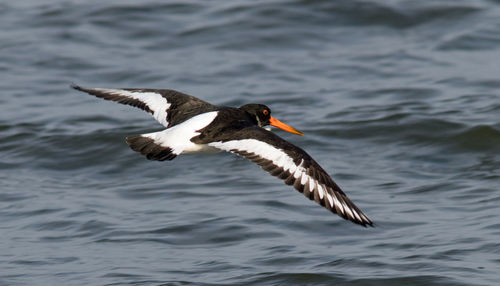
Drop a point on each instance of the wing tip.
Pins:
(80, 88)
(366, 223)
(76, 86)
(91, 91)
(333, 200)
(360, 218)
(354, 214)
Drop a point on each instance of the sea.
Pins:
(399, 102)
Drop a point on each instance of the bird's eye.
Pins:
(265, 112)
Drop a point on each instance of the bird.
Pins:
(194, 125)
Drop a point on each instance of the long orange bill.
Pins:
(275, 122)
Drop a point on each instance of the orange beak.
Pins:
(275, 122)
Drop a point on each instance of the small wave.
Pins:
(477, 138)
(482, 39)
(397, 126)
(387, 14)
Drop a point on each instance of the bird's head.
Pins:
(262, 115)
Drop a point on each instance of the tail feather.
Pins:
(147, 147)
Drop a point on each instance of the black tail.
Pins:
(147, 147)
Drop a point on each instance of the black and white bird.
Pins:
(193, 125)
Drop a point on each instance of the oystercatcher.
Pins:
(193, 125)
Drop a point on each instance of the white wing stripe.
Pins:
(292, 169)
(357, 215)
(299, 170)
(337, 203)
(278, 157)
(155, 101)
(348, 210)
(330, 200)
(312, 184)
(320, 191)
(267, 151)
(303, 180)
(297, 173)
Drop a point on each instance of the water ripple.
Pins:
(398, 100)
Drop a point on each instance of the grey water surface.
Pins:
(399, 102)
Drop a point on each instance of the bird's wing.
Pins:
(162, 104)
(293, 165)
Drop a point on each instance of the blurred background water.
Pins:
(399, 102)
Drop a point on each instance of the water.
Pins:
(399, 102)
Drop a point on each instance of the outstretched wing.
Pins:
(293, 165)
(162, 104)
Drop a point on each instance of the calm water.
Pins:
(399, 101)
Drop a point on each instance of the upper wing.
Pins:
(164, 104)
(293, 165)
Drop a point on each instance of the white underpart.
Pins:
(279, 158)
(155, 101)
(178, 137)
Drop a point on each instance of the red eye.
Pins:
(265, 112)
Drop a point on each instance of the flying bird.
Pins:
(193, 125)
